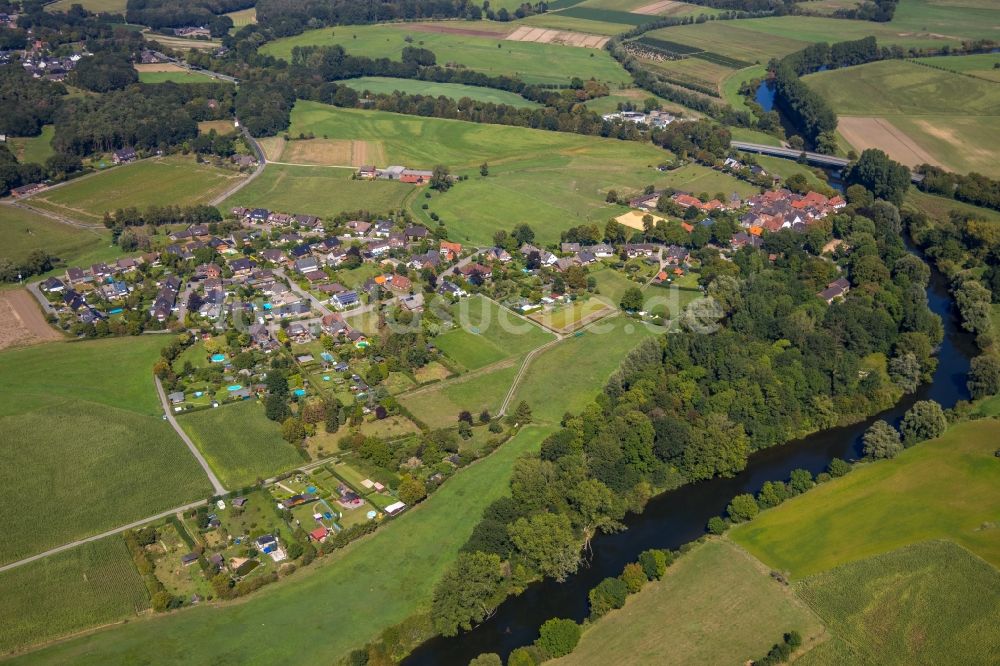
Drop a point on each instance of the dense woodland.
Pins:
(178, 13)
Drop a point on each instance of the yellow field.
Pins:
(332, 152)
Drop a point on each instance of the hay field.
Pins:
(338, 152)
(548, 36)
(387, 85)
(865, 133)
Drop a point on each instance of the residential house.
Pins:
(124, 156)
(450, 251)
(602, 250)
(241, 267)
(447, 288)
(52, 285)
(273, 255)
(367, 172)
(412, 302)
(836, 289)
(307, 265)
(344, 300)
(416, 233)
(675, 254)
(315, 276)
(358, 227)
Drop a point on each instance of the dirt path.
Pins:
(21, 321)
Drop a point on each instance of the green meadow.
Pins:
(24, 230)
(496, 56)
(175, 77)
(382, 85)
(941, 489)
(438, 405)
(316, 616)
(156, 181)
(84, 437)
(110, 6)
(982, 65)
(488, 333)
(240, 443)
(34, 149)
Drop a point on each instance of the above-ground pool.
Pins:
(326, 378)
(311, 489)
(116, 311)
(326, 356)
(371, 515)
(218, 358)
(198, 394)
(300, 392)
(267, 306)
(234, 387)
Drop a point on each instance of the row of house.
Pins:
(775, 210)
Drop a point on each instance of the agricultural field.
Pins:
(243, 17)
(89, 585)
(941, 489)
(381, 85)
(579, 313)
(161, 73)
(82, 420)
(315, 190)
(941, 207)
(240, 443)
(981, 65)
(730, 39)
(220, 126)
(968, 19)
(488, 333)
(560, 21)
(109, 6)
(904, 30)
(341, 586)
(931, 602)
(479, 46)
(916, 113)
(715, 589)
(35, 149)
(179, 180)
(24, 230)
(439, 404)
(184, 43)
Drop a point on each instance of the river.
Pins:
(679, 516)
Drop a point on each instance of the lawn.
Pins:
(89, 585)
(488, 333)
(928, 603)
(942, 489)
(398, 566)
(84, 437)
(23, 231)
(637, 96)
(316, 190)
(566, 318)
(380, 85)
(156, 181)
(34, 149)
(438, 405)
(240, 443)
(568, 375)
(496, 56)
(714, 590)
(982, 65)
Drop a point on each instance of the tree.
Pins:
(547, 542)
(275, 408)
(609, 594)
(440, 178)
(838, 467)
(925, 420)
(522, 413)
(984, 376)
(904, 370)
(881, 441)
(523, 233)
(742, 508)
(292, 431)
(632, 300)
(716, 525)
(332, 421)
(634, 577)
(801, 481)
(487, 659)
(484, 169)
(468, 592)
(484, 416)
(558, 637)
(276, 383)
(411, 490)
(654, 562)
(882, 176)
(612, 196)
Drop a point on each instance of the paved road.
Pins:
(168, 412)
(261, 163)
(102, 535)
(33, 289)
(313, 301)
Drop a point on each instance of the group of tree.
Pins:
(924, 420)
(974, 188)
(178, 13)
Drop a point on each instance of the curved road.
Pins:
(168, 412)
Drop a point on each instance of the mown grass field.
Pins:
(439, 405)
(560, 21)
(243, 17)
(733, 39)
(84, 446)
(715, 605)
(23, 231)
(549, 180)
(316, 190)
(488, 333)
(185, 76)
(534, 63)
(980, 64)
(398, 566)
(609, 103)
(34, 149)
(240, 443)
(156, 181)
(942, 489)
(928, 603)
(382, 85)
(92, 584)
(969, 19)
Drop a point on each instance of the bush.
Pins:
(634, 577)
(925, 420)
(881, 441)
(838, 467)
(524, 656)
(487, 659)
(609, 594)
(794, 639)
(801, 480)
(743, 507)
(716, 525)
(558, 637)
(654, 563)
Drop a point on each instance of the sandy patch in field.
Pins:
(562, 37)
(655, 8)
(159, 67)
(865, 133)
(451, 30)
(21, 320)
(342, 152)
(633, 219)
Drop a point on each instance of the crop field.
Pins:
(732, 39)
(240, 443)
(899, 32)
(560, 21)
(24, 230)
(982, 65)
(243, 17)
(968, 19)
(184, 43)
(314, 190)
(606, 15)
(438, 405)
(916, 113)
(329, 152)
(92, 584)
(82, 420)
(381, 85)
(342, 585)
(34, 149)
(942, 489)
(716, 589)
(488, 333)
(931, 602)
(694, 70)
(178, 180)
(479, 46)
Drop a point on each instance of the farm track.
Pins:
(216, 484)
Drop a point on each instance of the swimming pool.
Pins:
(268, 306)
(299, 392)
(234, 387)
(116, 311)
(218, 358)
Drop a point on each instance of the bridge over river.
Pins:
(819, 159)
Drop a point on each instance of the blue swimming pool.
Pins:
(115, 311)
(300, 392)
(268, 306)
(326, 356)
(234, 387)
(218, 358)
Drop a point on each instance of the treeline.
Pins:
(975, 188)
(291, 17)
(72, 26)
(780, 363)
(27, 102)
(159, 215)
(177, 13)
(880, 11)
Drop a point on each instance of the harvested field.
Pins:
(21, 322)
(442, 29)
(221, 127)
(527, 33)
(656, 8)
(339, 152)
(633, 219)
(272, 146)
(865, 133)
(183, 43)
(158, 67)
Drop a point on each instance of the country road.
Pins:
(168, 412)
(261, 163)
